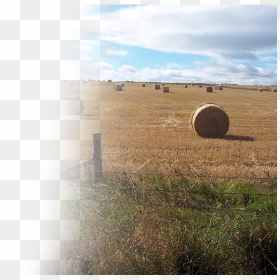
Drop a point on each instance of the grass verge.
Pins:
(171, 225)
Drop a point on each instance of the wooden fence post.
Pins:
(97, 157)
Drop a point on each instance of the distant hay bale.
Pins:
(210, 120)
(186, 86)
(71, 106)
(209, 89)
(143, 85)
(157, 86)
(118, 87)
(165, 89)
(122, 84)
(220, 87)
(274, 90)
(260, 90)
(192, 85)
(200, 86)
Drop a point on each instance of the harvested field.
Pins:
(145, 130)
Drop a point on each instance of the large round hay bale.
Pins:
(220, 87)
(209, 89)
(260, 90)
(274, 90)
(200, 86)
(186, 86)
(157, 86)
(71, 106)
(210, 120)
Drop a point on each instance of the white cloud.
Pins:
(89, 45)
(235, 30)
(116, 52)
(105, 66)
(127, 69)
(173, 65)
(207, 72)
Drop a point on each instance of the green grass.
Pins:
(174, 225)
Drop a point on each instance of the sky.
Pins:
(178, 43)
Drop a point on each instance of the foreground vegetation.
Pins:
(155, 224)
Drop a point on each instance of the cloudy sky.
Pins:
(179, 43)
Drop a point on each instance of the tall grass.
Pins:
(173, 225)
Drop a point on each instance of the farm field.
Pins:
(155, 224)
(146, 130)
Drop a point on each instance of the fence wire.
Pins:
(79, 171)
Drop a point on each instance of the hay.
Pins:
(165, 89)
(210, 120)
(118, 87)
(186, 86)
(209, 89)
(71, 106)
(157, 86)
(220, 87)
(260, 90)
(200, 86)
(274, 90)
(143, 85)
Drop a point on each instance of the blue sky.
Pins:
(179, 43)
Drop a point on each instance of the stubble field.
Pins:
(146, 130)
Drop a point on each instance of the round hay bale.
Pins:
(118, 87)
(210, 120)
(157, 86)
(209, 89)
(71, 106)
(143, 85)
(220, 87)
(274, 90)
(260, 90)
(186, 86)
(200, 86)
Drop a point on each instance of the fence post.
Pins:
(97, 157)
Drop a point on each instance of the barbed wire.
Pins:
(83, 170)
(195, 207)
(191, 175)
